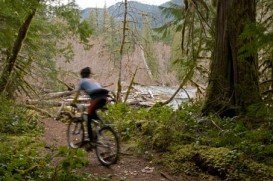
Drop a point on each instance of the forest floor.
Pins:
(129, 167)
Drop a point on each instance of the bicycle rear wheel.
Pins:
(75, 134)
(107, 146)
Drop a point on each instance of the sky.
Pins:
(100, 3)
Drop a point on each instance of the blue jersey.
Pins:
(88, 86)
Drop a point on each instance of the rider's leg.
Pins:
(89, 128)
(94, 105)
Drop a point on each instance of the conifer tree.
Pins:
(233, 83)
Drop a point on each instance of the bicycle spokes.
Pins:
(107, 147)
(75, 134)
(77, 129)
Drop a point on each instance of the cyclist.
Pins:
(97, 94)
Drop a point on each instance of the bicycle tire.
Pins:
(107, 146)
(75, 134)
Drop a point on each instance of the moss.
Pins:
(229, 149)
(221, 162)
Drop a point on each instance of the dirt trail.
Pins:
(129, 167)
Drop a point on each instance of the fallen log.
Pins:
(43, 112)
(44, 103)
(54, 95)
(140, 104)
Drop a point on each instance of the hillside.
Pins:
(136, 10)
(105, 69)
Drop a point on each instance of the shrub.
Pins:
(15, 119)
(228, 148)
(22, 154)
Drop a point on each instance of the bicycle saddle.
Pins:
(98, 93)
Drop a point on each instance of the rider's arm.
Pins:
(77, 91)
(76, 97)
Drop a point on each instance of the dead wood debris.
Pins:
(140, 96)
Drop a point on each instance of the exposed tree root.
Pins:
(206, 166)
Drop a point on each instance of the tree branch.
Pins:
(11, 60)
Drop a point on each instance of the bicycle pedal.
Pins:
(85, 142)
(90, 147)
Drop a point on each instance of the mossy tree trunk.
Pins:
(233, 83)
(12, 58)
(124, 29)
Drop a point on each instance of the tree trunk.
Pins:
(233, 83)
(11, 60)
(119, 88)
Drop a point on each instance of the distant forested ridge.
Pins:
(136, 10)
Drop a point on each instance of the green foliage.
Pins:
(20, 158)
(72, 160)
(23, 156)
(238, 148)
(15, 119)
(71, 15)
(259, 38)
(172, 11)
(147, 43)
(112, 37)
(261, 111)
(192, 37)
(222, 162)
(123, 118)
(26, 159)
(84, 31)
(46, 39)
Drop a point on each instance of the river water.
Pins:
(163, 93)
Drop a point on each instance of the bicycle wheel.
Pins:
(107, 146)
(75, 134)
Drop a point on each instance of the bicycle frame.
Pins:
(105, 140)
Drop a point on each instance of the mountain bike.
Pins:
(106, 142)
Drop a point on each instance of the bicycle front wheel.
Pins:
(75, 134)
(107, 146)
